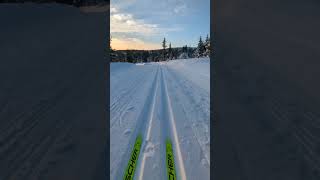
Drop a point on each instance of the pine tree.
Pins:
(207, 46)
(201, 48)
(207, 39)
(112, 52)
(170, 51)
(164, 46)
(174, 53)
(185, 49)
(145, 56)
(130, 56)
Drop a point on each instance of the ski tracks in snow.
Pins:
(159, 119)
(155, 135)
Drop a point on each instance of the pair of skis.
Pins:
(131, 167)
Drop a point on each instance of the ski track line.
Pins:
(140, 169)
(186, 94)
(139, 129)
(173, 129)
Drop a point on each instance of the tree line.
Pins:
(166, 53)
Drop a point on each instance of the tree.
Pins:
(201, 48)
(112, 52)
(170, 51)
(145, 56)
(207, 46)
(164, 46)
(175, 53)
(130, 57)
(189, 51)
(184, 49)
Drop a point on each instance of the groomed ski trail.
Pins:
(173, 134)
(147, 133)
(156, 116)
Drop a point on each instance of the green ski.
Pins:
(170, 161)
(129, 173)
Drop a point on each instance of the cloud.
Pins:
(121, 22)
(132, 43)
(127, 23)
(113, 10)
(180, 9)
(129, 32)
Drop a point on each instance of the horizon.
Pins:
(159, 49)
(139, 25)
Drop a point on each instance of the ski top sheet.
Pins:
(129, 172)
(170, 161)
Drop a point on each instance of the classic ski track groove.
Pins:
(161, 81)
(139, 130)
(146, 135)
(194, 131)
(175, 140)
(155, 122)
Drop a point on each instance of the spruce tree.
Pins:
(164, 46)
(130, 56)
(170, 51)
(207, 46)
(201, 48)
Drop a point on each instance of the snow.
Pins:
(159, 101)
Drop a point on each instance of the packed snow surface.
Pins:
(159, 101)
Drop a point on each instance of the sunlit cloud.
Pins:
(126, 23)
(142, 24)
(132, 43)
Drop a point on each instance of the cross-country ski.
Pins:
(129, 173)
(171, 171)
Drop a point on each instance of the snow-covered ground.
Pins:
(161, 100)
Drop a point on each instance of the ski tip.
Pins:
(171, 172)
(132, 163)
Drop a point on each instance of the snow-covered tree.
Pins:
(184, 48)
(207, 46)
(201, 48)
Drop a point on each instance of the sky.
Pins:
(142, 24)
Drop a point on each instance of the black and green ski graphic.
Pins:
(129, 173)
(170, 161)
